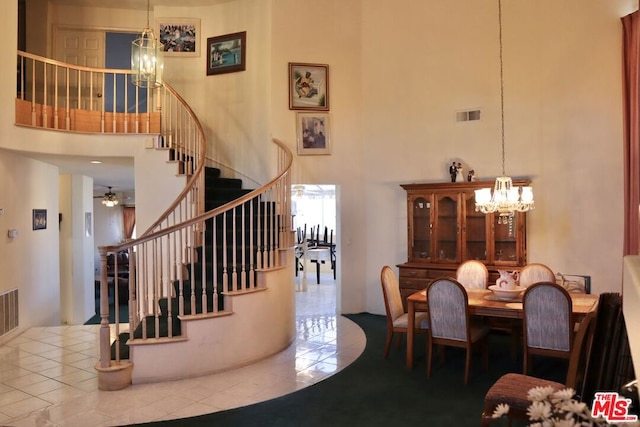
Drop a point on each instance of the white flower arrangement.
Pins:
(551, 408)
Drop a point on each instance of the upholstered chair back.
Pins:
(391, 293)
(473, 274)
(547, 317)
(534, 273)
(447, 301)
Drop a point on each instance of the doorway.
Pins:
(314, 209)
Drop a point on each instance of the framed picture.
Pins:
(226, 54)
(39, 219)
(308, 87)
(179, 37)
(313, 133)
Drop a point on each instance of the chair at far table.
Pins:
(450, 323)
(513, 389)
(534, 273)
(547, 322)
(473, 274)
(397, 319)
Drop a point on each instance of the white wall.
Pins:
(234, 108)
(332, 36)
(77, 289)
(157, 185)
(30, 261)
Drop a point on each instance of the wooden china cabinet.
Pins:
(444, 230)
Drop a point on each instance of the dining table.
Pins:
(483, 302)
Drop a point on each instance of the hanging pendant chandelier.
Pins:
(505, 199)
(146, 58)
(110, 200)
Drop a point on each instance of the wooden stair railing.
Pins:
(185, 263)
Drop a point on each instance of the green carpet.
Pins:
(377, 392)
(123, 314)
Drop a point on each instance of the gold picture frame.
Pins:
(308, 86)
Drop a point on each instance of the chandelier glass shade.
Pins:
(505, 198)
(110, 200)
(146, 59)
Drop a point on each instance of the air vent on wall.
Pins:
(8, 311)
(467, 115)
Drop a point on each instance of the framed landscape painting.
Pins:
(308, 86)
(313, 134)
(179, 36)
(226, 54)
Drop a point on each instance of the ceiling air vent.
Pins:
(467, 115)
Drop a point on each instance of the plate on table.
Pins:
(506, 294)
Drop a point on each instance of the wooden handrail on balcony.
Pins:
(56, 95)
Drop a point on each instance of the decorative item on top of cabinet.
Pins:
(444, 230)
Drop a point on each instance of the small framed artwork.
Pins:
(226, 54)
(313, 133)
(308, 87)
(39, 219)
(179, 37)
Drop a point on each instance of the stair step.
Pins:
(223, 182)
(211, 173)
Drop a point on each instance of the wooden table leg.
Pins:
(411, 315)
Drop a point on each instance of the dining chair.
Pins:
(534, 273)
(450, 323)
(397, 319)
(513, 389)
(473, 274)
(328, 244)
(548, 325)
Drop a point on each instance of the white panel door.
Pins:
(85, 48)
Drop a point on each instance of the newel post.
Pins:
(111, 375)
(105, 345)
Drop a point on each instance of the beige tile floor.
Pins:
(47, 377)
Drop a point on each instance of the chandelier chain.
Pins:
(506, 199)
(501, 83)
(148, 14)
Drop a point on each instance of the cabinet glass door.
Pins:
(420, 232)
(447, 228)
(475, 231)
(505, 239)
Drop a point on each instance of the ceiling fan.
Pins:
(109, 199)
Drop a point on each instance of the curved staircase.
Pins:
(211, 282)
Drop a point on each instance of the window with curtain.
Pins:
(631, 111)
(129, 217)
